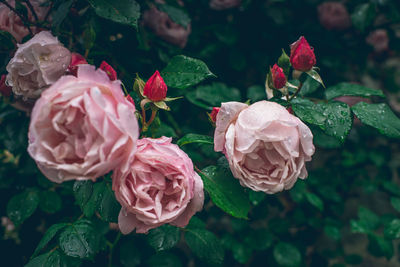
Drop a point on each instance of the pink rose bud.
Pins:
(83, 127)
(112, 74)
(76, 60)
(214, 114)
(266, 146)
(278, 77)
(302, 56)
(4, 89)
(334, 16)
(159, 187)
(155, 88)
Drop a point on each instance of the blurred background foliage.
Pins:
(347, 213)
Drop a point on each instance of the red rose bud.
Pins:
(112, 74)
(4, 89)
(278, 77)
(302, 55)
(76, 60)
(214, 113)
(129, 98)
(155, 88)
(290, 110)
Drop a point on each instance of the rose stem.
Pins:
(112, 248)
(28, 3)
(297, 91)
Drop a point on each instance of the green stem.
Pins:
(297, 92)
(112, 248)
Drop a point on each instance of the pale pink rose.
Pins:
(224, 4)
(334, 16)
(161, 24)
(265, 145)
(160, 187)
(83, 127)
(36, 65)
(12, 23)
(379, 40)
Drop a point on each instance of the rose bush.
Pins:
(159, 187)
(82, 127)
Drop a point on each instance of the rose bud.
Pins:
(76, 60)
(302, 55)
(278, 77)
(379, 40)
(130, 99)
(162, 26)
(83, 127)
(334, 16)
(4, 89)
(159, 187)
(155, 88)
(214, 113)
(266, 146)
(12, 23)
(112, 74)
(36, 65)
(224, 4)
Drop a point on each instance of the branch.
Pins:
(28, 3)
(23, 19)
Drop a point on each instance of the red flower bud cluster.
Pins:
(112, 74)
(76, 60)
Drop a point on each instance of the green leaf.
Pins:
(121, 11)
(22, 206)
(225, 191)
(256, 93)
(129, 253)
(350, 89)
(176, 14)
(205, 245)
(60, 12)
(309, 86)
(363, 16)
(334, 118)
(379, 246)
(286, 254)
(50, 201)
(195, 138)
(107, 206)
(332, 231)
(368, 221)
(83, 191)
(80, 240)
(216, 93)
(163, 237)
(392, 229)
(6, 41)
(89, 36)
(338, 119)
(315, 201)
(53, 258)
(164, 259)
(395, 203)
(183, 72)
(259, 239)
(241, 252)
(379, 116)
(315, 75)
(256, 197)
(48, 236)
(284, 62)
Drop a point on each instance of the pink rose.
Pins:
(12, 23)
(83, 127)
(334, 16)
(37, 64)
(160, 187)
(224, 4)
(161, 24)
(265, 145)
